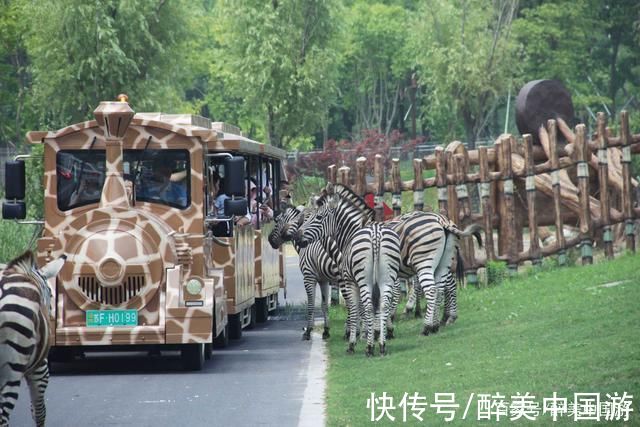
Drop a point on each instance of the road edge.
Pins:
(313, 411)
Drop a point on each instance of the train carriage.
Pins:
(129, 199)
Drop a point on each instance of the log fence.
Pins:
(567, 181)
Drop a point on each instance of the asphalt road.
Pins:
(258, 380)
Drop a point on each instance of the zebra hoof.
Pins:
(450, 320)
(325, 334)
(390, 334)
(426, 331)
(351, 349)
(306, 336)
(369, 351)
(383, 350)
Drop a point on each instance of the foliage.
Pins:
(370, 144)
(497, 272)
(278, 61)
(466, 63)
(15, 239)
(101, 49)
(528, 335)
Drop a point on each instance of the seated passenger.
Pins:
(162, 186)
(259, 211)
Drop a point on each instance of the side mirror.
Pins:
(15, 179)
(14, 210)
(235, 207)
(234, 181)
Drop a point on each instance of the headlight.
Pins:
(194, 287)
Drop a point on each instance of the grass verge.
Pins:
(543, 332)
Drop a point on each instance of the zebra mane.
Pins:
(23, 264)
(347, 194)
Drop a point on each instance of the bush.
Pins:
(497, 272)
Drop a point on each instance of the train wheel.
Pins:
(235, 326)
(262, 310)
(222, 340)
(192, 356)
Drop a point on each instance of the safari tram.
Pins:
(163, 219)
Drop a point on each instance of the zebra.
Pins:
(370, 260)
(319, 263)
(25, 300)
(428, 241)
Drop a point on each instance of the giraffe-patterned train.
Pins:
(144, 265)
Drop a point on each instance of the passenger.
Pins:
(162, 187)
(89, 191)
(259, 211)
(218, 197)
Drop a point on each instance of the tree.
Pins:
(377, 66)
(86, 52)
(277, 58)
(466, 63)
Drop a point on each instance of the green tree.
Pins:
(277, 58)
(466, 63)
(377, 65)
(85, 52)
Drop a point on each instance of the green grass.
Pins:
(14, 239)
(542, 332)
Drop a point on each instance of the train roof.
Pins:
(218, 136)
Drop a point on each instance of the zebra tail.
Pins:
(473, 229)
(377, 242)
(459, 266)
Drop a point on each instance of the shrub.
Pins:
(497, 272)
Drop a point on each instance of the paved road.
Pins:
(258, 380)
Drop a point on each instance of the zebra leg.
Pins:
(353, 316)
(37, 382)
(417, 291)
(310, 288)
(367, 305)
(8, 392)
(429, 290)
(450, 300)
(411, 297)
(349, 302)
(393, 306)
(325, 291)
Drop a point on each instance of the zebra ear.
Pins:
(330, 188)
(53, 268)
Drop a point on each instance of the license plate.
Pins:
(103, 318)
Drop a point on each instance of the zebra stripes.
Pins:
(370, 260)
(25, 301)
(319, 263)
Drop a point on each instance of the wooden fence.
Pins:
(571, 181)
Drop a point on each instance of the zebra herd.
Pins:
(339, 243)
(25, 301)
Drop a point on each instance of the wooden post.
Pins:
(627, 204)
(464, 207)
(441, 181)
(378, 173)
(530, 186)
(452, 198)
(396, 188)
(555, 182)
(331, 174)
(485, 196)
(603, 173)
(418, 186)
(361, 176)
(344, 176)
(507, 211)
(583, 155)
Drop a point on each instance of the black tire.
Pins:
(262, 310)
(192, 356)
(235, 326)
(252, 321)
(61, 354)
(208, 347)
(222, 340)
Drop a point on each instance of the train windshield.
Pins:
(160, 176)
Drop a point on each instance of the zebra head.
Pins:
(286, 226)
(320, 223)
(25, 265)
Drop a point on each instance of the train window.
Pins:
(160, 176)
(80, 177)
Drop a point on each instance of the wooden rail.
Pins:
(566, 181)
